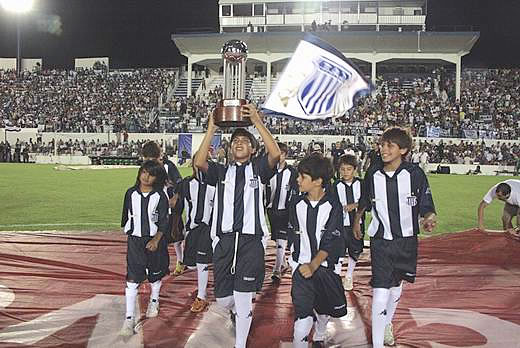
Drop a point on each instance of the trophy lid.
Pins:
(234, 51)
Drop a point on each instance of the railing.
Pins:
(320, 18)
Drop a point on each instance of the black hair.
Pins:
(348, 160)
(283, 147)
(151, 150)
(317, 166)
(504, 189)
(244, 133)
(156, 170)
(399, 136)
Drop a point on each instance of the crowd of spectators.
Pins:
(470, 152)
(467, 152)
(90, 101)
(20, 151)
(81, 101)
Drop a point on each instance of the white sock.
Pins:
(202, 280)
(130, 295)
(281, 244)
(379, 300)
(155, 289)
(350, 267)
(227, 302)
(178, 251)
(393, 301)
(244, 306)
(338, 266)
(302, 328)
(320, 329)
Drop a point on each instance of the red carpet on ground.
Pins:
(67, 290)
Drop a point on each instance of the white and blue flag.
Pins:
(317, 83)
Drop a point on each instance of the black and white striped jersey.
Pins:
(281, 188)
(397, 201)
(197, 198)
(144, 213)
(239, 197)
(348, 193)
(316, 226)
(174, 176)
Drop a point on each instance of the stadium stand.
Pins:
(86, 101)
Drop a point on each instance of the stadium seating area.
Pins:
(86, 101)
(81, 101)
(91, 101)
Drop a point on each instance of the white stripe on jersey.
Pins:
(342, 193)
(305, 244)
(284, 190)
(324, 211)
(404, 185)
(251, 184)
(194, 187)
(229, 200)
(381, 206)
(208, 202)
(135, 201)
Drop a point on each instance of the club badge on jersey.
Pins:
(411, 201)
(253, 183)
(317, 83)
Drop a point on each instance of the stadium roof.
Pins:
(459, 43)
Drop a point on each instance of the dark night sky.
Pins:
(136, 33)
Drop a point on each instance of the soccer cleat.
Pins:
(348, 283)
(128, 327)
(153, 309)
(389, 335)
(276, 276)
(179, 269)
(199, 305)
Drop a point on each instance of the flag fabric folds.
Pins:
(317, 83)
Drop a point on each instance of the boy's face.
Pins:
(347, 172)
(241, 148)
(146, 179)
(391, 152)
(306, 184)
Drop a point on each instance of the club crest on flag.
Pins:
(317, 83)
(317, 94)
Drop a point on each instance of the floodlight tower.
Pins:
(18, 7)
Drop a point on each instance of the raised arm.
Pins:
(201, 157)
(271, 147)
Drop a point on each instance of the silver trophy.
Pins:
(227, 113)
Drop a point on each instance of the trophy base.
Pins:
(227, 114)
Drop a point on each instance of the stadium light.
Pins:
(19, 7)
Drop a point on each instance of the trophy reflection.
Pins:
(227, 112)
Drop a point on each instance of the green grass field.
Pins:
(38, 197)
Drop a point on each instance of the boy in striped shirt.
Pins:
(399, 195)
